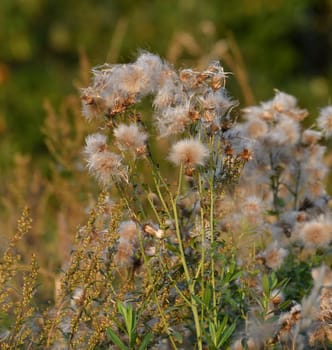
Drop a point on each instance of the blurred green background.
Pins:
(283, 44)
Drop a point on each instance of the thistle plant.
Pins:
(260, 180)
(212, 229)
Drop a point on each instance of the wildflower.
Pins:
(153, 66)
(283, 101)
(252, 206)
(77, 297)
(324, 120)
(316, 233)
(129, 137)
(291, 130)
(256, 128)
(106, 166)
(287, 104)
(173, 120)
(92, 105)
(217, 101)
(166, 95)
(322, 276)
(274, 256)
(189, 152)
(311, 137)
(95, 143)
(132, 80)
(276, 297)
(153, 231)
(128, 231)
(124, 257)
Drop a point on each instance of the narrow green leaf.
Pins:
(145, 342)
(266, 285)
(226, 335)
(116, 340)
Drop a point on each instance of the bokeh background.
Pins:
(47, 50)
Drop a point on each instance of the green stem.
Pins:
(213, 282)
(201, 265)
(190, 283)
(151, 282)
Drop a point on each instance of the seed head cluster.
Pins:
(256, 186)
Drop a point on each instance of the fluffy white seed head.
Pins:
(189, 152)
(106, 167)
(131, 138)
(324, 120)
(317, 233)
(311, 137)
(95, 143)
(275, 255)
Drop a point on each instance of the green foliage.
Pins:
(298, 275)
(130, 322)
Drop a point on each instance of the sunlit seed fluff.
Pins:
(324, 120)
(153, 231)
(275, 255)
(291, 129)
(322, 276)
(128, 231)
(124, 255)
(95, 143)
(317, 233)
(131, 138)
(276, 297)
(311, 137)
(256, 112)
(153, 66)
(252, 206)
(106, 167)
(173, 120)
(256, 128)
(77, 297)
(132, 79)
(189, 152)
(218, 101)
(165, 95)
(283, 102)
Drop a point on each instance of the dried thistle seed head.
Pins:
(194, 115)
(252, 206)
(95, 143)
(276, 297)
(311, 137)
(209, 115)
(128, 231)
(153, 231)
(93, 106)
(274, 255)
(256, 128)
(283, 102)
(189, 152)
(246, 155)
(107, 167)
(322, 276)
(316, 233)
(324, 120)
(229, 150)
(131, 138)
(218, 81)
(124, 257)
